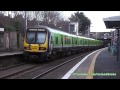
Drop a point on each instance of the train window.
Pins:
(65, 40)
(72, 40)
(30, 37)
(76, 41)
(41, 37)
(56, 40)
(83, 42)
(61, 41)
(68, 41)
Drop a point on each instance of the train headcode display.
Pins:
(36, 30)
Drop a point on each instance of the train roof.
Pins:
(53, 30)
(59, 31)
(86, 38)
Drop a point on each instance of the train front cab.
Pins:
(36, 44)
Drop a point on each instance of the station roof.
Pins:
(112, 22)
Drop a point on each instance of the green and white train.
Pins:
(41, 42)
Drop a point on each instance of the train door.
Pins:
(51, 44)
(72, 42)
(61, 42)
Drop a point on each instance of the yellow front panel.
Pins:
(35, 47)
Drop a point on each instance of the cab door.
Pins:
(51, 44)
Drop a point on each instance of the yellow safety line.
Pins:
(91, 68)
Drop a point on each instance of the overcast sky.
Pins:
(96, 18)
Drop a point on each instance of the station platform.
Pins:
(10, 53)
(100, 64)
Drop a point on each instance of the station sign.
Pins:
(1, 29)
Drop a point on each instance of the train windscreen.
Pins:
(36, 37)
(41, 36)
(30, 38)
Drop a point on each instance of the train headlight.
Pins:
(27, 48)
(42, 48)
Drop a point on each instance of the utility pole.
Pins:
(25, 20)
(38, 18)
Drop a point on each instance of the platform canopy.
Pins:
(112, 22)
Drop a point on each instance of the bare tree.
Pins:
(50, 17)
(73, 18)
(38, 15)
(2, 12)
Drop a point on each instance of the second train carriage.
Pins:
(41, 42)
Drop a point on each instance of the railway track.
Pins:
(55, 67)
(13, 66)
(20, 69)
(33, 71)
(14, 70)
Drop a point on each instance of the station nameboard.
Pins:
(1, 29)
